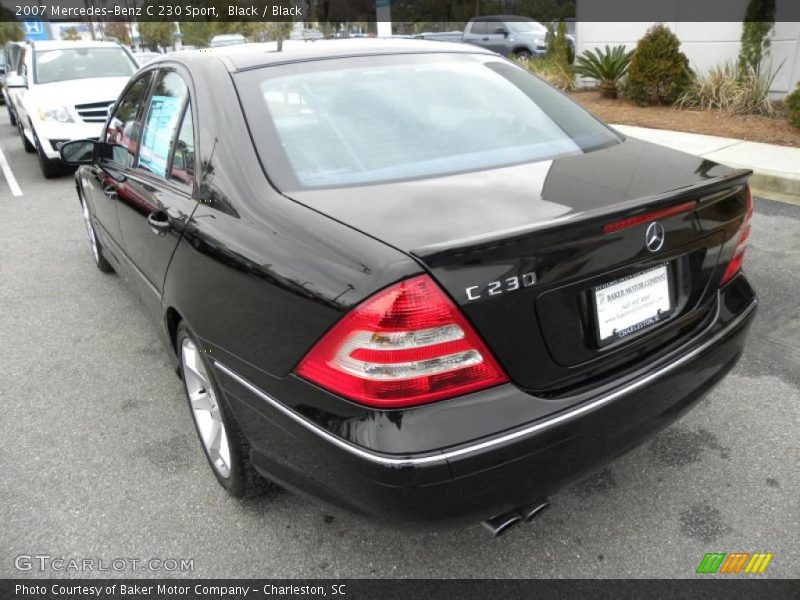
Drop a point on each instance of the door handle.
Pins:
(486, 39)
(158, 222)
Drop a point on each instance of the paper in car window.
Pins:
(159, 131)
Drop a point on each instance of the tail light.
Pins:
(408, 344)
(735, 264)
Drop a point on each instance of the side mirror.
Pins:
(78, 152)
(17, 81)
(501, 31)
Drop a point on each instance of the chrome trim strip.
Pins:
(502, 439)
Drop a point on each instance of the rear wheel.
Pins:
(100, 262)
(224, 445)
(11, 116)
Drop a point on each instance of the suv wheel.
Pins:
(50, 167)
(30, 148)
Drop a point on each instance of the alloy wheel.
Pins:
(205, 408)
(90, 231)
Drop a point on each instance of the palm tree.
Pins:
(606, 67)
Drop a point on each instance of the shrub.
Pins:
(551, 70)
(792, 103)
(606, 67)
(558, 46)
(727, 87)
(659, 72)
(759, 19)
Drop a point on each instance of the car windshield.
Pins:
(527, 27)
(382, 118)
(81, 63)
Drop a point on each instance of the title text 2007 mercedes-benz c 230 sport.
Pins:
(408, 278)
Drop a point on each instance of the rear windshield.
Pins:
(81, 63)
(367, 120)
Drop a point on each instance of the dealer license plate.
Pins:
(627, 306)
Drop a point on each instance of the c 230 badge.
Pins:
(501, 286)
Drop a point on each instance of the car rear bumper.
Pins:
(485, 476)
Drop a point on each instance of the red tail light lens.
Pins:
(406, 345)
(735, 264)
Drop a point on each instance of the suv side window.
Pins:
(122, 133)
(162, 121)
(478, 27)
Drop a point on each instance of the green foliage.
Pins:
(552, 71)
(118, 30)
(10, 31)
(792, 103)
(606, 67)
(729, 88)
(70, 34)
(658, 72)
(758, 21)
(557, 45)
(157, 33)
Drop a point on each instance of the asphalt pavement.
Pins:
(100, 460)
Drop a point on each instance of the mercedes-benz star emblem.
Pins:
(654, 237)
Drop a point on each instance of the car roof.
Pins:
(249, 56)
(65, 45)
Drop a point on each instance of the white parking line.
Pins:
(9, 174)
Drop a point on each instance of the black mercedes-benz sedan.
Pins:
(408, 278)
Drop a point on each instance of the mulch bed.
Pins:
(756, 128)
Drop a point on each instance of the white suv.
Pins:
(63, 91)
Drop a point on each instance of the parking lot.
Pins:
(100, 458)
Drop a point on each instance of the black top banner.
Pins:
(407, 11)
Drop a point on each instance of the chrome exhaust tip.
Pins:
(498, 525)
(531, 511)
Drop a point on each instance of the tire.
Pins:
(223, 443)
(11, 116)
(522, 54)
(29, 148)
(50, 167)
(97, 250)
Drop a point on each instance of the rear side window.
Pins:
(383, 118)
(478, 27)
(122, 133)
(182, 168)
(162, 121)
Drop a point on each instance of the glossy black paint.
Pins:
(260, 276)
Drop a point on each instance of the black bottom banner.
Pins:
(389, 589)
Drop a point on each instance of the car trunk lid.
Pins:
(524, 250)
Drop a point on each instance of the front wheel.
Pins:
(99, 261)
(522, 54)
(50, 167)
(29, 148)
(11, 116)
(224, 444)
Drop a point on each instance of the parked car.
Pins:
(11, 53)
(64, 92)
(518, 37)
(227, 39)
(408, 278)
(145, 57)
(2, 77)
(306, 34)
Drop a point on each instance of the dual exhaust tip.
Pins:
(498, 525)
